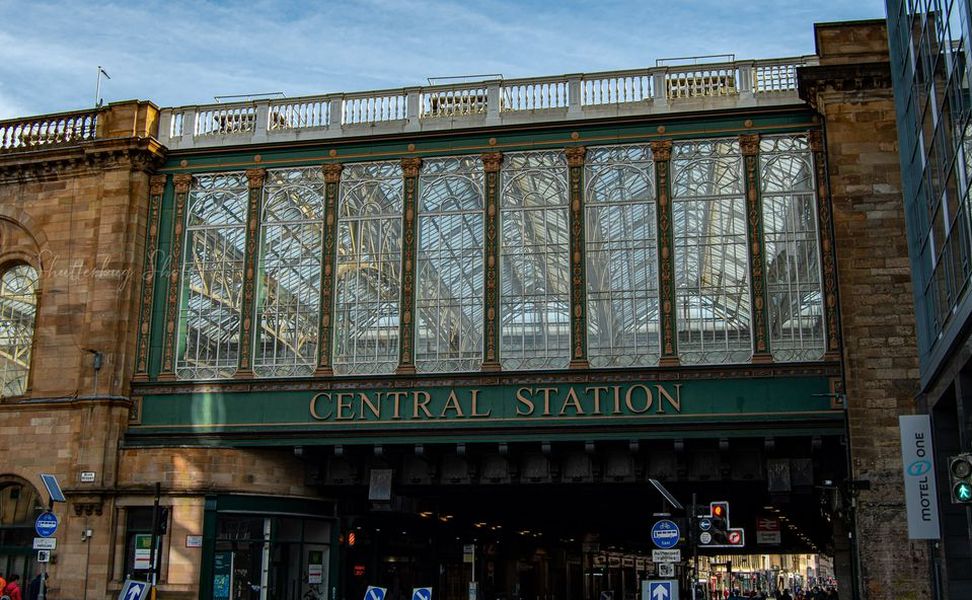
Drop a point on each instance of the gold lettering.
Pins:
(475, 399)
(572, 400)
(629, 395)
(676, 402)
(424, 405)
(597, 398)
(397, 399)
(452, 403)
(364, 400)
(342, 406)
(617, 400)
(546, 399)
(525, 402)
(313, 407)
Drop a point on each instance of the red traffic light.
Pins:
(719, 510)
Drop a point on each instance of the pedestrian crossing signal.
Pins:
(960, 472)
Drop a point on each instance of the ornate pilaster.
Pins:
(332, 179)
(825, 228)
(578, 268)
(661, 152)
(156, 189)
(255, 177)
(749, 144)
(181, 182)
(491, 328)
(406, 330)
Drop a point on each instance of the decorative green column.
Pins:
(406, 329)
(332, 179)
(181, 182)
(156, 189)
(491, 224)
(749, 144)
(825, 229)
(255, 177)
(661, 152)
(578, 266)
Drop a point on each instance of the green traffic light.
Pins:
(963, 492)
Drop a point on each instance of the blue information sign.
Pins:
(665, 534)
(660, 590)
(134, 590)
(46, 524)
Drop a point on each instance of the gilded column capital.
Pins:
(492, 161)
(661, 150)
(182, 182)
(815, 137)
(332, 172)
(749, 144)
(411, 166)
(575, 156)
(157, 185)
(256, 177)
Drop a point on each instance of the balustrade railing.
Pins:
(640, 90)
(48, 130)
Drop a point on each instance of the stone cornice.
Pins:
(846, 78)
(135, 154)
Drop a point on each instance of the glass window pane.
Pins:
(449, 294)
(288, 308)
(711, 254)
(534, 253)
(793, 282)
(212, 276)
(18, 308)
(622, 277)
(368, 284)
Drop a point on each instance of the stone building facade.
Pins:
(269, 473)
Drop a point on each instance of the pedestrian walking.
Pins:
(12, 589)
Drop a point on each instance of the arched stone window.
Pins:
(18, 309)
(20, 503)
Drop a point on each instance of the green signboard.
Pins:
(522, 407)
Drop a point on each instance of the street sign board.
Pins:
(143, 552)
(43, 556)
(665, 534)
(734, 536)
(53, 488)
(665, 589)
(422, 593)
(666, 556)
(666, 570)
(375, 593)
(705, 537)
(134, 590)
(768, 530)
(41, 543)
(46, 524)
(705, 524)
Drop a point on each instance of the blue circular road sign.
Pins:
(665, 534)
(46, 524)
(705, 524)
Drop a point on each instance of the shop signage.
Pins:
(921, 496)
(222, 575)
(666, 556)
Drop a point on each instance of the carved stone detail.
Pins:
(332, 179)
(181, 182)
(578, 278)
(492, 161)
(754, 231)
(256, 177)
(411, 167)
(749, 144)
(332, 172)
(491, 165)
(826, 233)
(148, 276)
(157, 185)
(575, 156)
(661, 152)
(406, 358)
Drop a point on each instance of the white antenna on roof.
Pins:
(101, 72)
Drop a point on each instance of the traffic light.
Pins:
(960, 473)
(713, 530)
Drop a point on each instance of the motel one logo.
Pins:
(921, 470)
(918, 463)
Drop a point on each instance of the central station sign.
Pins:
(517, 406)
(484, 403)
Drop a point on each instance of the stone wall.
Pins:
(77, 213)
(877, 310)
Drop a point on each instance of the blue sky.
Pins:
(186, 52)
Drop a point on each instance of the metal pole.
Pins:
(694, 545)
(42, 592)
(98, 88)
(155, 534)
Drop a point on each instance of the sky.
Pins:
(179, 52)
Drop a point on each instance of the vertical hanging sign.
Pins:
(918, 460)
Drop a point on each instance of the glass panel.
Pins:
(18, 307)
(711, 256)
(212, 276)
(534, 253)
(368, 283)
(449, 296)
(793, 281)
(622, 263)
(290, 284)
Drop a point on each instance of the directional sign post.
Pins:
(422, 593)
(134, 590)
(375, 593)
(666, 589)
